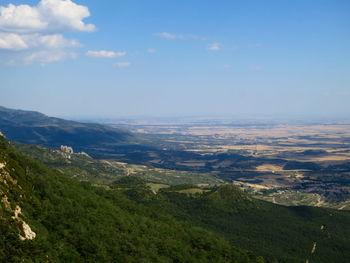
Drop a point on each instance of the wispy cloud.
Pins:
(124, 64)
(105, 54)
(214, 47)
(168, 35)
(45, 56)
(13, 41)
(173, 36)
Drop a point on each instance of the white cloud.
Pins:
(13, 41)
(168, 35)
(22, 18)
(214, 47)
(104, 54)
(48, 15)
(172, 36)
(55, 41)
(122, 64)
(65, 14)
(35, 33)
(46, 56)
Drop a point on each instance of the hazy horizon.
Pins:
(105, 118)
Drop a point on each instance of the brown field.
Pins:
(274, 145)
(324, 131)
(275, 141)
(269, 167)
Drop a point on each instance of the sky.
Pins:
(112, 58)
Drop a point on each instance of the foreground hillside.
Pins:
(280, 234)
(48, 217)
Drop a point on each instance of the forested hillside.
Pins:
(279, 233)
(37, 128)
(47, 214)
(48, 217)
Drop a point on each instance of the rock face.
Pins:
(28, 232)
(66, 149)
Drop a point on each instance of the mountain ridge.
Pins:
(37, 128)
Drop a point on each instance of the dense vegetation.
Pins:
(75, 222)
(280, 234)
(133, 222)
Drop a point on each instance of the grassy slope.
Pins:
(75, 222)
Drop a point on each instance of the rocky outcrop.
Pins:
(28, 233)
(66, 149)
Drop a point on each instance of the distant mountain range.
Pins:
(98, 140)
(37, 128)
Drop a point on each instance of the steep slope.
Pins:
(49, 217)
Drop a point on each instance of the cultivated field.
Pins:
(287, 162)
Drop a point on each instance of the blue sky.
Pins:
(112, 58)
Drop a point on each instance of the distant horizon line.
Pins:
(211, 117)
